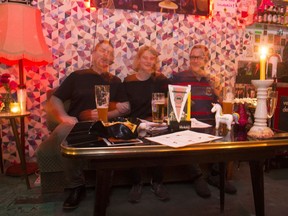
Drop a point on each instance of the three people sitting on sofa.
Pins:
(126, 99)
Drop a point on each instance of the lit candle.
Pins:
(263, 63)
(14, 107)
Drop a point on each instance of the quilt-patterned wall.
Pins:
(71, 31)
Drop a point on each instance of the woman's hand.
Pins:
(89, 115)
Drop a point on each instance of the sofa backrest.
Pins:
(51, 121)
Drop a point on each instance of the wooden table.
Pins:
(20, 141)
(229, 148)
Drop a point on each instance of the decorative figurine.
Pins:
(227, 119)
(243, 117)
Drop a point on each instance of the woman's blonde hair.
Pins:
(205, 50)
(136, 63)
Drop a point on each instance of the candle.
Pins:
(262, 67)
(14, 107)
(188, 107)
(263, 63)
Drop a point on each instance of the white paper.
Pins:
(183, 138)
(198, 124)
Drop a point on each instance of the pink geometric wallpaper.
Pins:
(71, 31)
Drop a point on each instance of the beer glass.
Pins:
(272, 98)
(158, 107)
(102, 95)
(228, 100)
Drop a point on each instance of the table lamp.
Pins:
(22, 41)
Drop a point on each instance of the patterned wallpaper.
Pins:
(71, 31)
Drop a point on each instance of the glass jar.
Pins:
(21, 97)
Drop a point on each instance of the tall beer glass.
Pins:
(228, 100)
(158, 107)
(102, 96)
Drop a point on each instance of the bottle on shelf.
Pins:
(270, 14)
(275, 15)
(286, 16)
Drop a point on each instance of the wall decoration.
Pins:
(194, 7)
(71, 31)
(247, 12)
(225, 5)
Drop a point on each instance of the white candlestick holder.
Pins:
(259, 128)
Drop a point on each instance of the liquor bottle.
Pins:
(270, 14)
(286, 17)
(265, 14)
(260, 16)
(275, 15)
(281, 15)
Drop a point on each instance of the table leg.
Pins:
(1, 159)
(256, 170)
(102, 191)
(222, 171)
(20, 150)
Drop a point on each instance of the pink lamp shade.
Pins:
(21, 36)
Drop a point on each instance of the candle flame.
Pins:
(263, 52)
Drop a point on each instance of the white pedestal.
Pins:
(259, 128)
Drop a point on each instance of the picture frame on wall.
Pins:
(193, 7)
(249, 70)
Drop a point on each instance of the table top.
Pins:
(85, 145)
(13, 115)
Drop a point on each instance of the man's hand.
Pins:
(89, 115)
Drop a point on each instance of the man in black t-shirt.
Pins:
(78, 88)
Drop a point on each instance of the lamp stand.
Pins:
(29, 167)
(259, 128)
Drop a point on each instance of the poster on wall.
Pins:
(225, 6)
(247, 71)
(194, 7)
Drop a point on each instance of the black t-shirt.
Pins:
(79, 86)
(140, 93)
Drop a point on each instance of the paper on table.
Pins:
(198, 124)
(183, 138)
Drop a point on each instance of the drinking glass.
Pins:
(272, 98)
(102, 96)
(158, 107)
(228, 100)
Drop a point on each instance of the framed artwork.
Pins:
(194, 7)
(249, 70)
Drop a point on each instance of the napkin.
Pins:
(154, 126)
(150, 127)
(198, 124)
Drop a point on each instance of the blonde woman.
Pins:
(139, 88)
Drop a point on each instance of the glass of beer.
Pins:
(102, 96)
(228, 100)
(158, 107)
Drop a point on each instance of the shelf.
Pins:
(267, 26)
